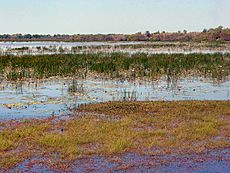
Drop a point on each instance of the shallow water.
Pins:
(59, 96)
(53, 48)
(211, 162)
(63, 44)
(8, 46)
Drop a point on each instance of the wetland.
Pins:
(78, 108)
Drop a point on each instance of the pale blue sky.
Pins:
(111, 16)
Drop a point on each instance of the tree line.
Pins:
(213, 34)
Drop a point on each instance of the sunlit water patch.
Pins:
(40, 48)
(59, 96)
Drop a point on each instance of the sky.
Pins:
(111, 16)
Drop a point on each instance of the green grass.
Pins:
(115, 65)
(171, 127)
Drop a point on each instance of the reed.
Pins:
(131, 66)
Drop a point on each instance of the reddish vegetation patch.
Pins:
(160, 133)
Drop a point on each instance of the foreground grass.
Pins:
(118, 127)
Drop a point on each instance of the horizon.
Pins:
(109, 17)
(142, 32)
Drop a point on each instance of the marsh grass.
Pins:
(153, 127)
(115, 65)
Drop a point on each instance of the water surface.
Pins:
(58, 96)
(37, 48)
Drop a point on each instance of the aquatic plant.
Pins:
(130, 66)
